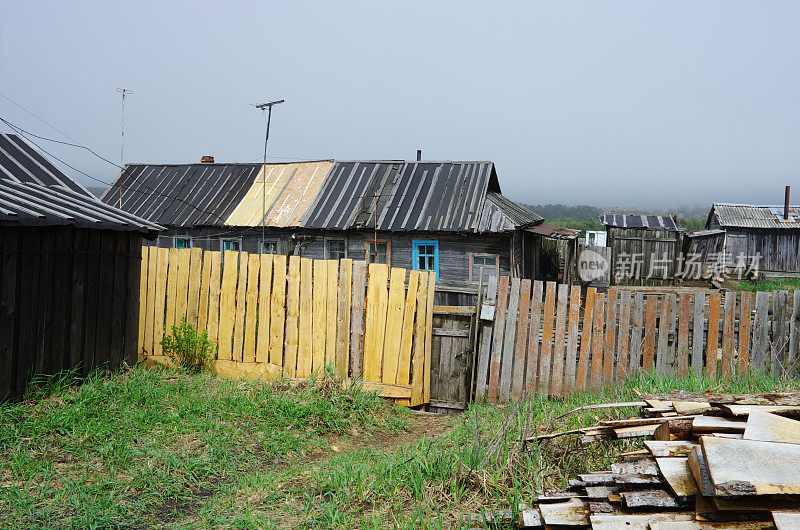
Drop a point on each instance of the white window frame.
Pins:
(475, 278)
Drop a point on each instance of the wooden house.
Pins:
(645, 249)
(70, 266)
(769, 235)
(449, 217)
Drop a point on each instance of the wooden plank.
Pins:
(193, 294)
(172, 289)
(485, 349)
(182, 289)
(664, 321)
(357, 318)
(678, 476)
(635, 431)
(202, 301)
(729, 316)
(305, 342)
(570, 364)
(610, 339)
(377, 300)
(277, 310)
(264, 306)
(532, 353)
(598, 342)
(521, 340)
(214, 288)
(637, 331)
(497, 338)
(768, 427)
(573, 512)
(672, 448)
(251, 309)
(750, 467)
(343, 321)
(635, 522)
(684, 301)
(546, 358)
(758, 355)
(393, 335)
(159, 318)
(623, 339)
(586, 338)
(509, 335)
(780, 341)
(145, 266)
(428, 334)
(651, 499)
(786, 520)
(332, 302)
(227, 304)
(745, 329)
(292, 333)
(794, 336)
(320, 306)
(717, 424)
(712, 340)
(418, 356)
(241, 299)
(454, 309)
(150, 309)
(648, 360)
(559, 343)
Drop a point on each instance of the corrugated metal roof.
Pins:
(664, 222)
(33, 192)
(704, 233)
(755, 216)
(183, 194)
(285, 197)
(555, 232)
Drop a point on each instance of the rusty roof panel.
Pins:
(755, 216)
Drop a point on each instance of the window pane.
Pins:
(421, 263)
(182, 242)
(430, 263)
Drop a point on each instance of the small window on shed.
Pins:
(335, 248)
(269, 246)
(425, 256)
(379, 251)
(182, 242)
(231, 244)
(483, 266)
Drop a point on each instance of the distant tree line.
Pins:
(584, 217)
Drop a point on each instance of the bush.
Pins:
(187, 349)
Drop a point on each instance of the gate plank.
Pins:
(193, 303)
(343, 321)
(292, 333)
(570, 365)
(205, 280)
(586, 338)
(794, 335)
(745, 327)
(779, 339)
(649, 334)
(145, 266)
(727, 333)
(557, 377)
(532, 353)
(623, 341)
(497, 339)
(429, 335)
(712, 342)
(683, 334)
(520, 342)
(637, 329)
(357, 318)
(610, 339)
(418, 355)
(598, 342)
(150, 315)
(332, 302)
(227, 304)
(320, 320)
(394, 325)
(484, 355)
(241, 293)
(182, 290)
(509, 335)
(277, 310)
(407, 339)
(377, 300)
(159, 321)
(664, 319)
(545, 360)
(172, 289)
(698, 329)
(264, 300)
(215, 257)
(760, 332)
(253, 265)
(305, 329)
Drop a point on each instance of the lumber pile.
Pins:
(707, 461)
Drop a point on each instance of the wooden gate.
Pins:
(452, 357)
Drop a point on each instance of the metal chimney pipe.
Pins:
(419, 155)
(786, 204)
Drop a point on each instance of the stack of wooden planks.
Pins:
(708, 461)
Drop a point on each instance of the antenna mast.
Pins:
(124, 92)
(265, 107)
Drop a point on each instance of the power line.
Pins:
(38, 118)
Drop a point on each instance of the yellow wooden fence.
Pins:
(273, 316)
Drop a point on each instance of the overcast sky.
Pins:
(653, 104)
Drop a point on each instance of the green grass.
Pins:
(780, 284)
(165, 449)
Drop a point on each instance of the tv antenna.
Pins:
(268, 108)
(124, 92)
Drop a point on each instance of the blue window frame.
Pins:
(425, 256)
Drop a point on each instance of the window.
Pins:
(425, 256)
(269, 246)
(483, 265)
(230, 244)
(335, 248)
(379, 251)
(182, 242)
(590, 237)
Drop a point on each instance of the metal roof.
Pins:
(555, 232)
(33, 192)
(284, 197)
(182, 194)
(654, 222)
(755, 216)
(704, 233)
(501, 213)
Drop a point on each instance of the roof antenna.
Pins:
(268, 107)
(124, 92)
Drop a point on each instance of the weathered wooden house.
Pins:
(768, 235)
(70, 268)
(645, 249)
(449, 217)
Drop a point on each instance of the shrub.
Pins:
(188, 349)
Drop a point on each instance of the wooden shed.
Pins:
(70, 266)
(645, 249)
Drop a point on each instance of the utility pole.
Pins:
(124, 92)
(265, 107)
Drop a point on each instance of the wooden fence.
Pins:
(272, 316)
(549, 339)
